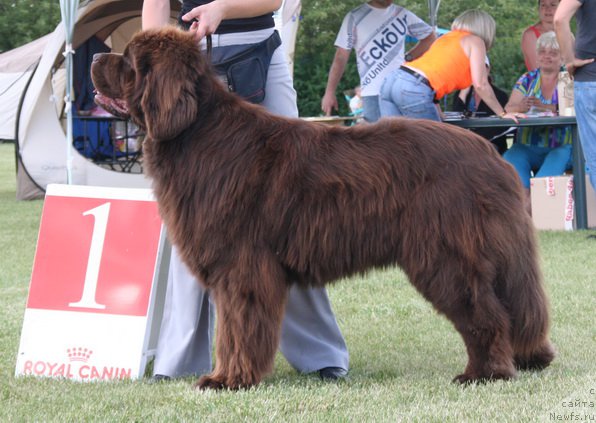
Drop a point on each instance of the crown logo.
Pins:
(79, 354)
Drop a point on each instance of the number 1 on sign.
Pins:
(95, 252)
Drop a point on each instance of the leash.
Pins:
(209, 47)
(209, 42)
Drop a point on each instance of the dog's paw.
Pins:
(465, 379)
(210, 382)
(538, 360)
(472, 378)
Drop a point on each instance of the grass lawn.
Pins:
(403, 354)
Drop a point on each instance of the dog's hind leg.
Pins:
(250, 298)
(483, 323)
(468, 300)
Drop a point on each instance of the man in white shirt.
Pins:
(377, 31)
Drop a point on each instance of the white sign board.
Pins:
(96, 288)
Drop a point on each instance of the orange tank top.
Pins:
(445, 64)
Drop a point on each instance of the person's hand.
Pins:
(513, 116)
(206, 19)
(329, 103)
(576, 63)
(528, 102)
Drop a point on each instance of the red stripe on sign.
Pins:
(95, 255)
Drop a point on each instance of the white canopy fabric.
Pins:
(41, 123)
(68, 10)
(16, 67)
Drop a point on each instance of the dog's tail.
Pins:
(527, 302)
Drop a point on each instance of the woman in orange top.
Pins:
(453, 62)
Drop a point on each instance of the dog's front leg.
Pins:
(250, 298)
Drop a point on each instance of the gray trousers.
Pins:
(310, 336)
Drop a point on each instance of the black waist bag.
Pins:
(244, 67)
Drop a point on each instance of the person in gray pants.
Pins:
(310, 338)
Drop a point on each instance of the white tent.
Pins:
(16, 68)
(32, 91)
(40, 129)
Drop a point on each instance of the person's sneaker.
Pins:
(159, 379)
(332, 373)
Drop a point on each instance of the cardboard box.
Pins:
(553, 206)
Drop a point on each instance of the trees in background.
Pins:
(24, 20)
(321, 20)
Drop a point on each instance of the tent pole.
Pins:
(68, 10)
(68, 52)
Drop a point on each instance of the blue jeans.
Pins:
(544, 161)
(585, 110)
(403, 94)
(370, 108)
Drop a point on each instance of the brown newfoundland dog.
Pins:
(257, 202)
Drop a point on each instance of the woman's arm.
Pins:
(521, 103)
(476, 50)
(565, 12)
(517, 102)
(528, 46)
(208, 16)
(156, 13)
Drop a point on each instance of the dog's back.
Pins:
(376, 194)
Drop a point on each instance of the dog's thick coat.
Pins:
(255, 202)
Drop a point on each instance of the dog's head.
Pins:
(156, 81)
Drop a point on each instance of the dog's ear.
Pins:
(166, 83)
(169, 103)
